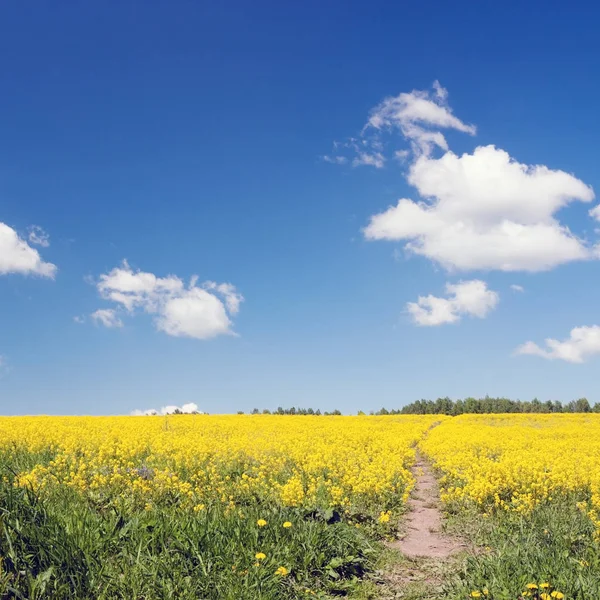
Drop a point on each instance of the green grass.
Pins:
(554, 544)
(64, 545)
(60, 546)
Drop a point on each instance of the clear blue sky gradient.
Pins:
(186, 136)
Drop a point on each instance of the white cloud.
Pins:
(480, 210)
(335, 160)
(170, 409)
(440, 92)
(107, 317)
(517, 288)
(200, 312)
(80, 319)
(595, 212)
(38, 236)
(232, 297)
(464, 298)
(582, 343)
(418, 115)
(17, 256)
(374, 159)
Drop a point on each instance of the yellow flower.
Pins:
(384, 517)
(287, 524)
(532, 586)
(260, 556)
(558, 595)
(261, 522)
(281, 571)
(475, 594)
(544, 586)
(486, 592)
(545, 596)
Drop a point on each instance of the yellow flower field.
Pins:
(515, 462)
(196, 460)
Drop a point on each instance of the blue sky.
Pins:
(189, 139)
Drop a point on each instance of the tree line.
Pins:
(292, 411)
(446, 406)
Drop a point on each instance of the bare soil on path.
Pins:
(424, 537)
(426, 556)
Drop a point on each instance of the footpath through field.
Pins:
(424, 537)
(426, 552)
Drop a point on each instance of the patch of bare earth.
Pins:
(425, 554)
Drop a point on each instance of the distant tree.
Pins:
(582, 406)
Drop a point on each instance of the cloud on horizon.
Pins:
(170, 409)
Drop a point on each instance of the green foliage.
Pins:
(488, 405)
(555, 544)
(61, 547)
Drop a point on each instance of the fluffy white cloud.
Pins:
(200, 312)
(464, 298)
(480, 210)
(582, 343)
(517, 288)
(105, 316)
(17, 256)
(170, 409)
(38, 236)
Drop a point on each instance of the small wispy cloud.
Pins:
(335, 160)
(38, 236)
(107, 317)
(517, 288)
(375, 159)
(5, 368)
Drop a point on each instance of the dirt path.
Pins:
(424, 537)
(426, 556)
